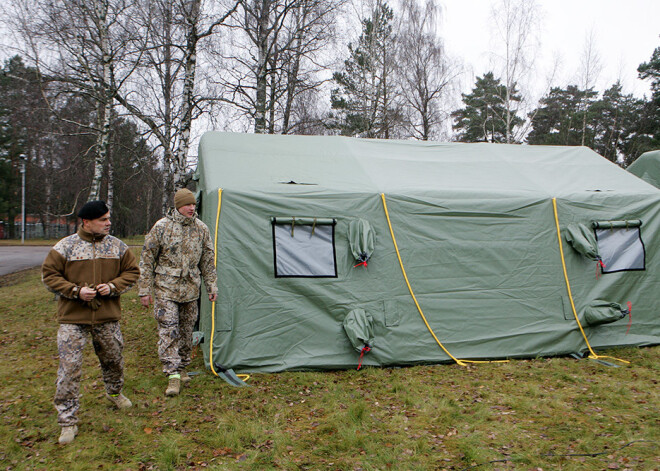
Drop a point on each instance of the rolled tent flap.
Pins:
(303, 221)
(603, 312)
(361, 237)
(583, 240)
(617, 224)
(359, 328)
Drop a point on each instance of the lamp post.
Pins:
(23, 158)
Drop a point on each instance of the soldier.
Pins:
(176, 252)
(89, 270)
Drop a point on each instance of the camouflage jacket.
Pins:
(177, 252)
(84, 259)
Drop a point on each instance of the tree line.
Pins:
(103, 96)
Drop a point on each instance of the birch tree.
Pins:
(81, 45)
(425, 71)
(516, 23)
(590, 68)
(58, 171)
(162, 93)
(275, 57)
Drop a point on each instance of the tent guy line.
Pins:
(568, 289)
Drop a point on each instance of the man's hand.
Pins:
(86, 294)
(104, 289)
(213, 297)
(145, 300)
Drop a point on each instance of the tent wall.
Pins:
(647, 167)
(484, 265)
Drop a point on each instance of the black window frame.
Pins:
(621, 225)
(304, 222)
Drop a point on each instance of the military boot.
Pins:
(173, 386)
(68, 434)
(119, 400)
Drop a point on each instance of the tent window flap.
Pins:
(361, 238)
(620, 245)
(304, 247)
(582, 240)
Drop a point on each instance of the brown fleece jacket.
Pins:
(85, 259)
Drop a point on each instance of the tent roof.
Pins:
(647, 167)
(238, 161)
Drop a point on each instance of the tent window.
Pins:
(620, 245)
(304, 247)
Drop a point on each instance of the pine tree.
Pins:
(364, 100)
(649, 123)
(559, 118)
(615, 122)
(483, 119)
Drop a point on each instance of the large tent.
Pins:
(647, 167)
(335, 251)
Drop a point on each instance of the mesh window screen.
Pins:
(620, 246)
(304, 248)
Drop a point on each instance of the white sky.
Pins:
(625, 34)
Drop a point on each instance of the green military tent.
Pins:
(335, 251)
(647, 167)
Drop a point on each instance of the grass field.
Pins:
(137, 240)
(549, 414)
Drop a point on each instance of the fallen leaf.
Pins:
(222, 451)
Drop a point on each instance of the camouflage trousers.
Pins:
(175, 327)
(71, 340)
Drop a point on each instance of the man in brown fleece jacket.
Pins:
(89, 270)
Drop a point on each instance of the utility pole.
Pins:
(23, 158)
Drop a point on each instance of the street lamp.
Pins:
(23, 158)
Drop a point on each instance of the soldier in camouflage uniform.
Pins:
(177, 253)
(89, 270)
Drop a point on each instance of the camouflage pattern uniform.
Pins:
(77, 260)
(175, 327)
(108, 346)
(177, 253)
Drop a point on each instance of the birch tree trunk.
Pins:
(261, 72)
(187, 103)
(517, 24)
(111, 186)
(590, 68)
(102, 146)
(105, 103)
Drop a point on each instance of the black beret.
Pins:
(93, 210)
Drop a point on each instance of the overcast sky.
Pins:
(625, 34)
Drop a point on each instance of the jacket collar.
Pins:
(176, 216)
(88, 236)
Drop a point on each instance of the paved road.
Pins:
(19, 257)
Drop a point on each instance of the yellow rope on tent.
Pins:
(421, 313)
(215, 265)
(568, 289)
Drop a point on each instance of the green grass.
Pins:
(526, 414)
(132, 240)
(12, 242)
